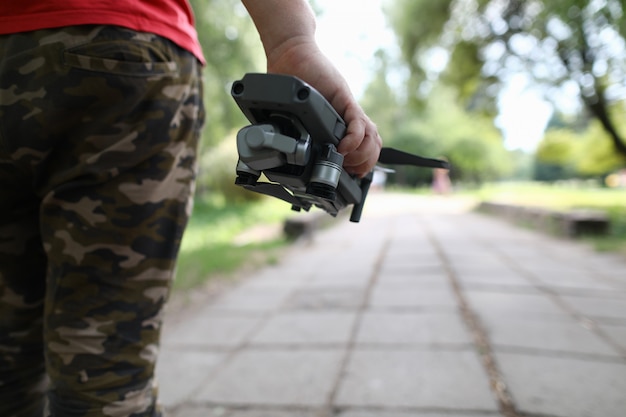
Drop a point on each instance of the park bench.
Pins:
(583, 222)
(570, 223)
(303, 224)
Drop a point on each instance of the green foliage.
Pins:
(559, 196)
(545, 171)
(570, 152)
(209, 246)
(419, 25)
(410, 137)
(557, 147)
(564, 197)
(232, 48)
(466, 62)
(380, 101)
(595, 154)
(217, 172)
(557, 43)
(444, 129)
(521, 166)
(474, 160)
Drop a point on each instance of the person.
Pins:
(441, 180)
(100, 113)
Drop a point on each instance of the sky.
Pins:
(350, 32)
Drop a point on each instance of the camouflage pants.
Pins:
(98, 135)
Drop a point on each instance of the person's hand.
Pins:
(302, 58)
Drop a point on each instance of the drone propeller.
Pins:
(395, 157)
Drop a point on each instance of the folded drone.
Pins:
(292, 140)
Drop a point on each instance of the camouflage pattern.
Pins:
(98, 136)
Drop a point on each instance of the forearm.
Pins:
(281, 23)
(287, 31)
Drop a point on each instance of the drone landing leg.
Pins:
(357, 210)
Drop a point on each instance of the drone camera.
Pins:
(326, 174)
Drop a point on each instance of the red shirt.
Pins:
(172, 19)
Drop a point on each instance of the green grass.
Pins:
(563, 197)
(209, 248)
(554, 196)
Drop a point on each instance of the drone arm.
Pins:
(396, 157)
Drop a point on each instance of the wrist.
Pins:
(291, 54)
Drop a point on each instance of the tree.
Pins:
(443, 128)
(593, 155)
(575, 149)
(380, 101)
(554, 158)
(576, 44)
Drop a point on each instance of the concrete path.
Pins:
(422, 310)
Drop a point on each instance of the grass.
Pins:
(209, 247)
(554, 196)
(564, 197)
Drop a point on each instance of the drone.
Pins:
(292, 142)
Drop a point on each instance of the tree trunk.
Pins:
(597, 107)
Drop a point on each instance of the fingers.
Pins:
(362, 143)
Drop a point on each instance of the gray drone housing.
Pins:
(293, 141)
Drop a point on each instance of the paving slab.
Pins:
(469, 259)
(211, 331)
(196, 411)
(500, 276)
(411, 264)
(180, 372)
(412, 378)
(347, 279)
(333, 298)
(509, 302)
(219, 411)
(395, 276)
(298, 328)
(411, 261)
(564, 387)
(583, 281)
(251, 300)
(407, 328)
(548, 334)
(384, 413)
(274, 377)
(413, 297)
(274, 413)
(616, 333)
(278, 279)
(599, 308)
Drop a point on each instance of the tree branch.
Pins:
(598, 107)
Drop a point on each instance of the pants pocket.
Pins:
(122, 57)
